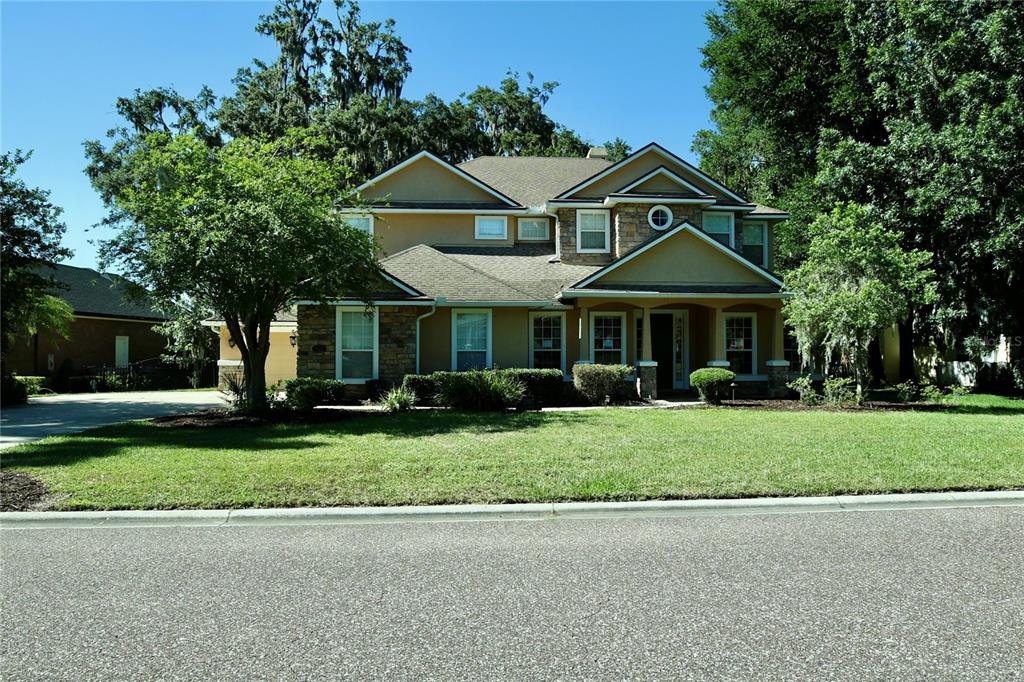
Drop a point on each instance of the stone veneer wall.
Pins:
(396, 347)
(629, 229)
(632, 228)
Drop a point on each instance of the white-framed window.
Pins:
(741, 342)
(547, 340)
(659, 217)
(608, 338)
(755, 243)
(363, 223)
(356, 349)
(471, 339)
(720, 226)
(534, 229)
(593, 231)
(491, 227)
(121, 351)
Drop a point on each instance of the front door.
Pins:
(663, 349)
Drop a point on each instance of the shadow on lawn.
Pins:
(235, 439)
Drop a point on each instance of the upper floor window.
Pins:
(363, 223)
(755, 243)
(720, 227)
(593, 233)
(491, 227)
(659, 217)
(533, 229)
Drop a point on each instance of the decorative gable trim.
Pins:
(412, 291)
(664, 153)
(661, 170)
(681, 227)
(447, 166)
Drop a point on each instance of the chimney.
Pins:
(597, 153)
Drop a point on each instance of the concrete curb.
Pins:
(518, 512)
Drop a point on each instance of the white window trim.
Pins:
(764, 240)
(660, 207)
(490, 334)
(362, 215)
(547, 229)
(607, 229)
(476, 227)
(753, 349)
(732, 225)
(338, 310)
(565, 342)
(625, 334)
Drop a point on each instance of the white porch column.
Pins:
(716, 354)
(584, 354)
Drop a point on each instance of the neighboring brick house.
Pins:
(110, 329)
(547, 262)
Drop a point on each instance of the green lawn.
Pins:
(612, 454)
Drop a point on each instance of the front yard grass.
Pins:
(612, 454)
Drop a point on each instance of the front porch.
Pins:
(745, 335)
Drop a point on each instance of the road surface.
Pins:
(60, 414)
(850, 595)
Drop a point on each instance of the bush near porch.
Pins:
(436, 457)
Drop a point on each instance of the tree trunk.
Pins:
(908, 371)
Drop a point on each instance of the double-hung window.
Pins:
(755, 243)
(740, 342)
(547, 341)
(719, 226)
(363, 223)
(608, 339)
(356, 352)
(533, 229)
(471, 339)
(593, 231)
(791, 350)
(491, 227)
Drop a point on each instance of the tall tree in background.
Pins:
(30, 234)
(914, 108)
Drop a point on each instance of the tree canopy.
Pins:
(242, 229)
(856, 281)
(915, 108)
(30, 234)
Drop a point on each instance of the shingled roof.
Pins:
(533, 180)
(99, 294)
(521, 273)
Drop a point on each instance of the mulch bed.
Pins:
(19, 492)
(869, 406)
(222, 418)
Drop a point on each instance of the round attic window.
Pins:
(659, 217)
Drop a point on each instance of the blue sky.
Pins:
(626, 69)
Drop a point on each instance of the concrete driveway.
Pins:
(55, 415)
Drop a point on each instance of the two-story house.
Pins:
(547, 262)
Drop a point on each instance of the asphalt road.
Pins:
(857, 595)
(60, 414)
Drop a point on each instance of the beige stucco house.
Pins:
(548, 262)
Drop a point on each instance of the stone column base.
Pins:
(778, 377)
(647, 380)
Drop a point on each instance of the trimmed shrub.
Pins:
(712, 383)
(479, 390)
(12, 391)
(804, 386)
(398, 399)
(545, 387)
(33, 385)
(601, 384)
(423, 386)
(305, 393)
(840, 391)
